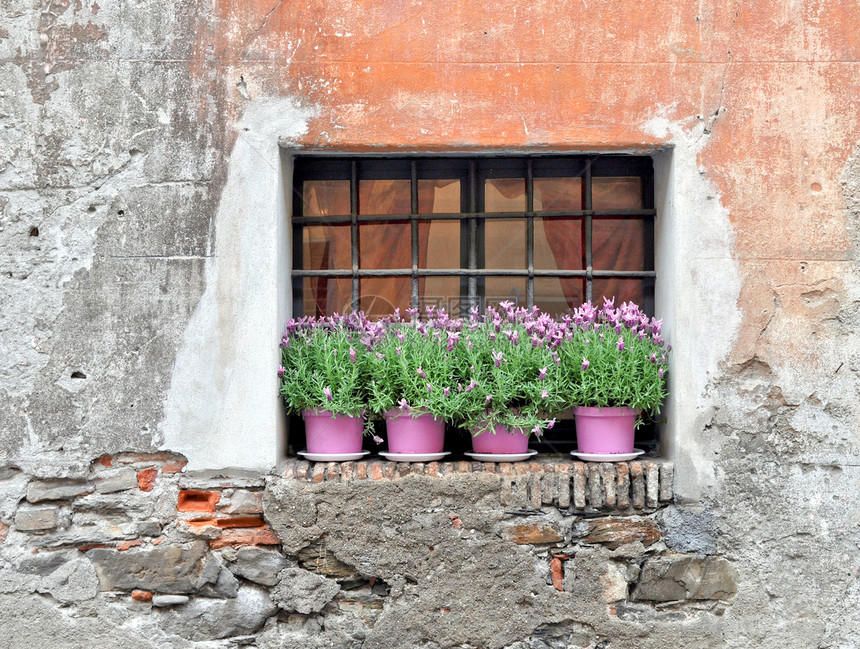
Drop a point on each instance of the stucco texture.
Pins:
(132, 140)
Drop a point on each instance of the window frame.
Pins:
(472, 172)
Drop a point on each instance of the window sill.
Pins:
(641, 485)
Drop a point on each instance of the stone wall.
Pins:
(549, 553)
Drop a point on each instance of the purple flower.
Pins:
(328, 394)
(542, 374)
(429, 388)
(352, 355)
(620, 344)
(281, 371)
(378, 439)
(585, 363)
(497, 357)
(660, 372)
(399, 351)
(421, 373)
(488, 398)
(446, 392)
(536, 430)
(544, 394)
(403, 403)
(472, 385)
(515, 339)
(453, 337)
(380, 355)
(550, 424)
(653, 358)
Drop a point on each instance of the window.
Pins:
(384, 232)
(393, 232)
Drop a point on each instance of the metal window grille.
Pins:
(472, 174)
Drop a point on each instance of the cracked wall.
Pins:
(139, 162)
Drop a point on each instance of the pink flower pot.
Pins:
(422, 434)
(604, 430)
(504, 441)
(332, 434)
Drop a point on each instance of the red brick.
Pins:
(464, 467)
(361, 470)
(125, 545)
(615, 532)
(531, 534)
(318, 473)
(106, 460)
(332, 472)
(389, 469)
(4, 530)
(174, 466)
(290, 469)
(146, 478)
(557, 572)
(506, 468)
(255, 536)
(239, 521)
(158, 540)
(141, 595)
(197, 501)
(374, 470)
(433, 469)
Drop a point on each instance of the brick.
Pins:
(4, 531)
(361, 470)
(389, 469)
(534, 495)
(43, 490)
(146, 458)
(622, 487)
(531, 534)
(667, 473)
(579, 485)
(374, 470)
(317, 473)
(347, 471)
(290, 469)
(433, 469)
(522, 468)
(36, 519)
(418, 468)
(548, 490)
(652, 483)
(174, 466)
(464, 467)
(105, 460)
(506, 468)
(535, 467)
(488, 467)
(141, 595)
(255, 536)
(608, 471)
(404, 469)
(595, 486)
(197, 501)
(637, 483)
(302, 470)
(563, 470)
(446, 468)
(557, 572)
(125, 545)
(506, 491)
(615, 532)
(332, 472)
(146, 478)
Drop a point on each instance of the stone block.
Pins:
(622, 485)
(670, 579)
(652, 483)
(36, 519)
(531, 534)
(116, 480)
(163, 569)
(259, 565)
(42, 490)
(202, 619)
(163, 601)
(637, 483)
(241, 502)
(304, 592)
(579, 485)
(615, 532)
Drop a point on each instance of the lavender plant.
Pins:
(509, 370)
(616, 357)
(324, 363)
(412, 365)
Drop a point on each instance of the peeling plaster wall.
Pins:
(143, 250)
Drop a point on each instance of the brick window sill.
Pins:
(578, 487)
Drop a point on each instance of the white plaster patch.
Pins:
(222, 408)
(697, 295)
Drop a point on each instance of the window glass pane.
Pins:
(439, 244)
(505, 243)
(499, 289)
(559, 243)
(505, 195)
(623, 290)
(325, 197)
(440, 292)
(616, 193)
(326, 295)
(326, 247)
(438, 196)
(385, 245)
(557, 194)
(559, 294)
(381, 295)
(618, 244)
(384, 197)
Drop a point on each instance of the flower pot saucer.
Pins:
(413, 457)
(501, 457)
(333, 457)
(608, 457)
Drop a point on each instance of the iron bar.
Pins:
(413, 185)
(589, 223)
(530, 234)
(477, 272)
(459, 216)
(353, 209)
